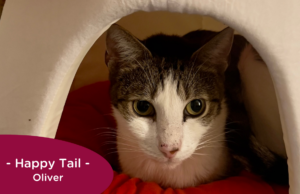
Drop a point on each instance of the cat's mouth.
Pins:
(167, 162)
(170, 162)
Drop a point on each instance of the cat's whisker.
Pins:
(127, 139)
(123, 149)
(207, 146)
(115, 142)
(220, 142)
(212, 133)
(137, 157)
(219, 135)
(119, 152)
(211, 137)
(115, 134)
(214, 141)
(199, 154)
(211, 142)
(84, 132)
(109, 143)
(99, 128)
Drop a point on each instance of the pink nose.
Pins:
(169, 151)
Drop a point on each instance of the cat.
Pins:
(180, 117)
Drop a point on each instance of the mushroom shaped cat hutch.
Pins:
(42, 44)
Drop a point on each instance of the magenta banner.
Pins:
(33, 165)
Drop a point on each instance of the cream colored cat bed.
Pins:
(42, 43)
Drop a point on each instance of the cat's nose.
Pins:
(169, 151)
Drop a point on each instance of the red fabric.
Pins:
(86, 118)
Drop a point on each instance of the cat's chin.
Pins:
(169, 163)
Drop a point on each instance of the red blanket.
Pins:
(86, 118)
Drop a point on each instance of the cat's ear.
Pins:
(216, 51)
(123, 46)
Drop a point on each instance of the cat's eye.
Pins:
(195, 107)
(143, 108)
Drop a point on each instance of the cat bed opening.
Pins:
(34, 78)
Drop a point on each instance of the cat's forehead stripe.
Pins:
(147, 76)
(171, 73)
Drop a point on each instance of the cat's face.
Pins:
(167, 108)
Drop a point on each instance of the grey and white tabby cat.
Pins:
(180, 119)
